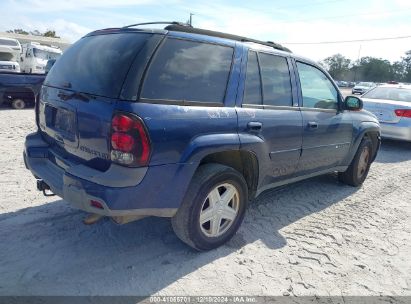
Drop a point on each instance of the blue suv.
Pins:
(190, 124)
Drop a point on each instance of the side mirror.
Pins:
(353, 103)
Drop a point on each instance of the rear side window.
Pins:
(252, 94)
(276, 80)
(98, 64)
(188, 71)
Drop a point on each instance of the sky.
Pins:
(298, 24)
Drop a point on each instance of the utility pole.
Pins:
(358, 61)
(191, 19)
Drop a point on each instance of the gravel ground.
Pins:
(316, 237)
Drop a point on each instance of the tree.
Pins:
(48, 33)
(375, 69)
(18, 31)
(407, 66)
(51, 34)
(338, 66)
(369, 68)
(398, 71)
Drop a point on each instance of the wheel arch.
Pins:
(366, 129)
(245, 162)
(375, 137)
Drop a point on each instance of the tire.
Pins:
(208, 183)
(360, 165)
(18, 104)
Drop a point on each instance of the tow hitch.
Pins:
(42, 186)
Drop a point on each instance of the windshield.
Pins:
(97, 64)
(8, 42)
(364, 84)
(397, 94)
(41, 54)
(6, 56)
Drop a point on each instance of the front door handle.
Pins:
(313, 125)
(254, 126)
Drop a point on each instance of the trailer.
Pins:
(20, 90)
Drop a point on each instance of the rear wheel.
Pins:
(18, 104)
(213, 208)
(359, 167)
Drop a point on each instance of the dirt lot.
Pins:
(317, 237)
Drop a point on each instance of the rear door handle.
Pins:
(313, 125)
(254, 126)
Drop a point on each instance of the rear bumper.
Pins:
(399, 131)
(148, 191)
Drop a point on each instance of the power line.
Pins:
(346, 16)
(307, 4)
(350, 41)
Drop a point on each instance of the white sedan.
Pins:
(392, 106)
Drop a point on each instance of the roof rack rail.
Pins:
(189, 29)
(159, 22)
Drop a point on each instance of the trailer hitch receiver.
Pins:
(42, 186)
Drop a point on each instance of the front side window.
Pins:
(185, 70)
(276, 80)
(252, 93)
(317, 89)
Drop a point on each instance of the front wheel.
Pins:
(213, 208)
(359, 167)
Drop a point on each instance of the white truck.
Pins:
(34, 57)
(10, 50)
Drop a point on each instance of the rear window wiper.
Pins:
(79, 95)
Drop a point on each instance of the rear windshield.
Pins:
(397, 94)
(97, 65)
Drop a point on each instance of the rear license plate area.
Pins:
(62, 121)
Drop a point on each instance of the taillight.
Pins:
(403, 113)
(122, 142)
(122, 123)
(130, 144)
